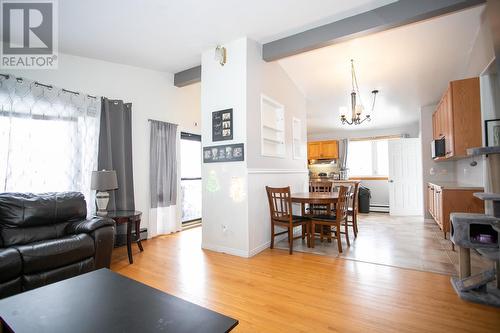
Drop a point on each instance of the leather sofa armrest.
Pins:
(89, 225)
(102, 230)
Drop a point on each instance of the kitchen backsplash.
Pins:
(316, 169)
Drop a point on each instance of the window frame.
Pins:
(374, 175)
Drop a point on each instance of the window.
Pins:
(368, 158)
(48, 138)
(190, 177)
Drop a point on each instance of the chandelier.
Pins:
(358, 115)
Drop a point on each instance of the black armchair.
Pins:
(45, 238)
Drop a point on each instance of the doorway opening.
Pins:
(190, 179)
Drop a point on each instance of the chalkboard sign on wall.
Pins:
(222, 125)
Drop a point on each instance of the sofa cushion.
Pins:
(50, 254)
(10, 264)
(30, 210)
(12, 287)
(18, 236)
(32, 281)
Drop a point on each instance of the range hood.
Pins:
(330, 161)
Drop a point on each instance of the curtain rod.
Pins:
(48, 86)
(162, 121)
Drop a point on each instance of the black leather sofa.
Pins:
(45, 238)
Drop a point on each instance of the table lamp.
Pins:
(103, 181)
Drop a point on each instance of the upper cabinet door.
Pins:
(313, 150)
(329, 150)
(466, 112)
(458, 118)
(448, 124)
(434, 126)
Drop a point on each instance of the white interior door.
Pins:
(405, 177)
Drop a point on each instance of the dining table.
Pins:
(314, 198)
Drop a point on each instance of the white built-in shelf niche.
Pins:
(272, 116)
(297, 138)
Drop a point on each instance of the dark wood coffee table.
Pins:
(103, 301)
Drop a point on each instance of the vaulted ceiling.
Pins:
(410, 65)
(170, 35)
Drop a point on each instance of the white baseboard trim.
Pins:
(276, 171)
(259, 249)
(227, 250)
(296, 232)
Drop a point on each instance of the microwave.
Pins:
(438, 148)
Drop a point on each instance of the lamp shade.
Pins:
(104, 180)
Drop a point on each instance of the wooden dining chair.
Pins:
(319, 186)
(334, 219)
(352, 209)
(280, 206)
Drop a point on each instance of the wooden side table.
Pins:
(133, 220)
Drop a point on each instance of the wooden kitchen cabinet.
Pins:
(442, 200)
(313, 150)
(323, 150)
(457, 118)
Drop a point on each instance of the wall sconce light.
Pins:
(221, 55)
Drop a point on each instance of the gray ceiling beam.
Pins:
(187, 77)
(379, 19)
(493, 17)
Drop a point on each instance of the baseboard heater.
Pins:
(379, 208)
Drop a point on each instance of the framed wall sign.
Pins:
(222, 125)
(224, 153)
(492, 132)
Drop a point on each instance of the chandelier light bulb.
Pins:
(342, 111)
(359, 109)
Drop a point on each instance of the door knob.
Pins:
(391, 181)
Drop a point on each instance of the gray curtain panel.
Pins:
(115, 151)
(343, 145)
(163, 164)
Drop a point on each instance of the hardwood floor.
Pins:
(303, 292)
(401, 241)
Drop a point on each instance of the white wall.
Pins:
(235, 211)
(481, 52)
(270, 79)
(412, 130)
(151, 93)
(225, 203)
(379, 191)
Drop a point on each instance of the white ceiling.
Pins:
(410, 65)
(169, 35)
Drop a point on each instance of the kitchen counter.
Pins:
(456, 186)
(330, 179)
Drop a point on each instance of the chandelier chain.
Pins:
(354, 79)
(356, 115)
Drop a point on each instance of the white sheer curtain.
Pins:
(48, 138)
